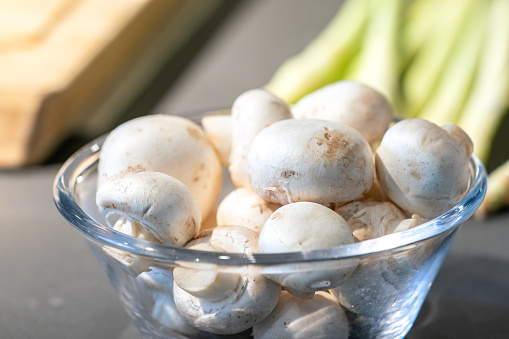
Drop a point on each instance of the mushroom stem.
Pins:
(126, 226)
(133, 229)
(209, 285)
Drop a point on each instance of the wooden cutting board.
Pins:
(72, 64)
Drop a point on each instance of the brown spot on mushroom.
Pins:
(288, 173)
(335, 143)
(198, 171)
(275, 216)
(193, 132)
(134, 169)
(109, 205)
(414, 173)
(260, 208)
(191, 223)
(332, 146)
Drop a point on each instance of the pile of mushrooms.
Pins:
(327, 172)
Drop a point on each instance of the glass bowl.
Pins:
(390, 276)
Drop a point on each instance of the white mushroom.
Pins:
(245, 208)
(371, 218)
(305, 226)
(169, 144)
(350, 103)
(405, 224)
(218, 301)
(403, 265)
(320, 317)
(422, 168)
(133, 265)
(460, 136)
(218, 128)
(350, 209)
(158, 284)
(206, 284)
(252, 111)
(149, 205)
(310, 160)
(366, 291)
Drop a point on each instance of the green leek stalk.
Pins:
(420, 17)
(457, 78)
(487, 104)
(498, 191)
(377, 65)
(423, 73)
(325, 59)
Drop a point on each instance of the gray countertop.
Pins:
(52, 287)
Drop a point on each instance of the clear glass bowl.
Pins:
(382, 297)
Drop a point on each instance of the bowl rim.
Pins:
(84, 161)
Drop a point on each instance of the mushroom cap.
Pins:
(310, 160)
(245, 208)
(305, 226)
(252, 111)
(255, 298)
(319, 317)
(168, 144)
(350, 103)
(228, 238)
(162, 206)
(460, 136)
(421, 168)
